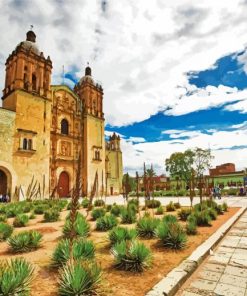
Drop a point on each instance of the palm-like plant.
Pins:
(81, 249)
(106, 223)
(82, 228)
(25, 241)
(16, 276)
(97, 213)
(131, 256)
(172, 235)
(21, 220)
(118, 234)
(78, 278)
(128, 216)
(5, 231)
(146, 227)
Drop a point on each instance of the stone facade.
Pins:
(44, 128)
(222, 169)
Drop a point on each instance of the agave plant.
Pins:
(128, 216)
(51, 215)
(3, 218)
(202, 218)
(116, 210)
(131, 256)
(191, 227)
(106, 223)
(97, 213)
(5, 231)
(172, 235)
(79, 278)
(184, 214)
(170, 207)
(159, 211)
(146, 227)
(81, 249)
(16, 276)
(21, 220)
(25, 241)
(82, 228)
(85, 203)
(170, 219)
(118, 234)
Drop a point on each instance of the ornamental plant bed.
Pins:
(115, 282)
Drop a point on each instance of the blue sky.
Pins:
(174, 72)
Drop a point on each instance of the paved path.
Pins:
(224, 272)
(233, 201)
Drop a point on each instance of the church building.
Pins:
(44, 128)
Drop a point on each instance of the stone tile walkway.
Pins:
(224, 272)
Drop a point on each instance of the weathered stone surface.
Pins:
(204, 284)
(210, 275)
(233, 280)
(237, 271)
(229, 290)
(220, 259)
(214, 267)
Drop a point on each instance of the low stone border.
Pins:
(170, 284)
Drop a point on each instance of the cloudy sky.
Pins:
(174, 72)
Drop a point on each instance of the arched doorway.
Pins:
(63, 185)
(3, 183)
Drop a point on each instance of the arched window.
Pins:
(30, 144)
(25, 144)
(34, 82)
(64, 127)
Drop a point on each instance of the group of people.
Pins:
(216, 192)
(4, 198)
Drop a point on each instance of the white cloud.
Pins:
(136, 139)
(140, 50)
(219, 142)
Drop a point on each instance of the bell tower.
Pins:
(27, 93)
(27, 69)
(93, 160)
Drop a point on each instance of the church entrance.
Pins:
(3, 183)
(63, 185)
(111, 190)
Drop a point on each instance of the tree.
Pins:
(126, 185)
(179, 165)
(202, 162)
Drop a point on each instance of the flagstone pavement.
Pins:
(224, 272)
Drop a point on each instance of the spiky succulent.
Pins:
(5, 231)
(106, 223)
(146, 227)
(82, 228)
(25, 241)
(118, 234)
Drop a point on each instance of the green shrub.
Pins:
(32, 216)
(153, 203)
(108, 208)
(3, 218)
(177, 205)
(183, 214)
(116, 210)
(40, 209)
(131, 256)
(69, 206)
(212, 213)
(169, 219)
(232, 191)
(219, 210)
(79, 278)
(170, 207)
(146, 227)
(97, 213)
(159, 211)
(224, 207)
(191, 227)
(21, 220)
(16, 276)
(85, 203)
(172, 235)
(51, 215)
(25, 241)
(134, 201)
(128, 216)
(62, 203)
(106, 223)
(81, 250)
(202, 218)
(99, 203)
(82, 228)
(5, 231)
(118, 234)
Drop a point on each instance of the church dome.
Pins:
(30, 43)
(87, 77)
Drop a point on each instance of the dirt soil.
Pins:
(115, 282)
